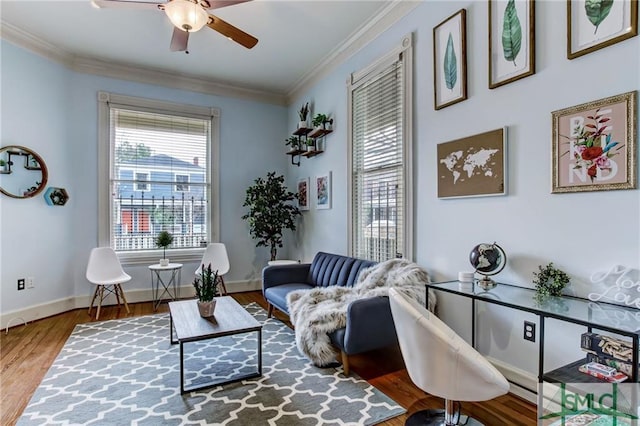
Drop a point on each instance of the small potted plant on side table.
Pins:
(206, 286)
(164, 240)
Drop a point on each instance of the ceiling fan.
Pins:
(189, 16)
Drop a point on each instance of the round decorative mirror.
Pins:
(23, 173)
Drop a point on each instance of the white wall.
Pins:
(54, 111)
(580, 232)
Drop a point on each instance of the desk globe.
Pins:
(487, 259)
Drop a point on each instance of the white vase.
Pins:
(206, 309)
(309, 148)
(164, 262)
(302, 124)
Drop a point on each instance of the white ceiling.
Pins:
(295, 37)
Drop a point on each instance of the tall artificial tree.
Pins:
(271, 210)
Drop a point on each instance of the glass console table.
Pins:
(605, 318)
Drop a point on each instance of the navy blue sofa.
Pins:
(369, 321)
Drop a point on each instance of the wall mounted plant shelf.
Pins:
(305, 134)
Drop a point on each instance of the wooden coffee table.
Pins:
(230, 318)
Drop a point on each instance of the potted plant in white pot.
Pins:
(206, 286)
(164, 240)
(302, 113)
(294, 142)
(3, 165)
(311, 144)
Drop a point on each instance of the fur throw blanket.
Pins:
(317, 312)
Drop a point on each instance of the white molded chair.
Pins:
(216, 255)
(441, 363)
(104, 270)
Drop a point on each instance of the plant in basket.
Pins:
(206, 286)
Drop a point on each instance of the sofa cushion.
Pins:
(277, 295)
(329, 269)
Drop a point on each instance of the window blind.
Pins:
(377, 169)
(160, 179)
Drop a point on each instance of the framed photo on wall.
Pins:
(594, 145)
(323, 191)
(474, 166)
(303, 193)
(592, 25)
(450, 60)
(511, 41)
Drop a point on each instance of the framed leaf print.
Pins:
(511, 41)
(594, 24)
(450, 60)
(594, 145)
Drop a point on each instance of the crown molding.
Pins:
(384, 19)
(123, 71)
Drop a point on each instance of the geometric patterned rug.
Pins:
(126, 372)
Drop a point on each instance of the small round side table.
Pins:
(156, 281)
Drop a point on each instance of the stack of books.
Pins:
(608, 358)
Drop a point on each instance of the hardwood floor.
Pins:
(28, 352)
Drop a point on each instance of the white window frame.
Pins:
(136, 183)
(404, 53)
(108, 100)
(175, 179)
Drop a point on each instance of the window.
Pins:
(142, 181)
(380, 158)
(158, 172)
(182, 183)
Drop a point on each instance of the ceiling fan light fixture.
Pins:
(186, 15)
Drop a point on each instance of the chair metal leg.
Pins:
(345, 362)
(95, 294)
(450, 416)
(222, 286)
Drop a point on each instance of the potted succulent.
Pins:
(3, 165)
(302, 113)
(271, 210)
(164, 240)
(206, 286)
(311, 144)
(320, 121)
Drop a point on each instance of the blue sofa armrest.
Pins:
(369, 325)
(283, 274)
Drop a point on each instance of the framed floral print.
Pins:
(594, 145)
(594, 24)
(450, 60)
(323, 191)
(303, 193)
(511, 41)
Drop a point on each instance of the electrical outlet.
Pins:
(30, 282)
(529, 332)
(20, 283)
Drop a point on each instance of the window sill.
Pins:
(149, 257)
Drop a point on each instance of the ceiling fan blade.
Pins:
(217, 4)
(101, 4)
(231, 32)
(179, 40)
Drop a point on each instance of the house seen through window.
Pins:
(159, 179)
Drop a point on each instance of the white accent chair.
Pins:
(216, 255)
(441, 363)
(104, 270)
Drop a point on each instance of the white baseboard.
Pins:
(523, 383)
(44, 310)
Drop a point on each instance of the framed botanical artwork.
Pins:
(594, 145)
(474, 166)
(511, 41)
(303, 193)
(450, 60)
(323, 191)
(594, 24)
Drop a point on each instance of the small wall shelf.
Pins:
(304, 133)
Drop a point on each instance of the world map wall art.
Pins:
(473, 166)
